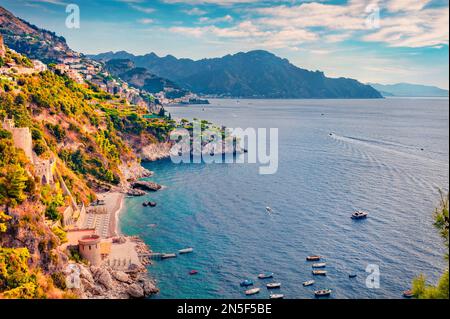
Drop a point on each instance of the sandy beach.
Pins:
(114, 202)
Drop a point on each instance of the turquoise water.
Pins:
(373, 162)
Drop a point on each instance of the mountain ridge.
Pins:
(253, 74)
(404, 89)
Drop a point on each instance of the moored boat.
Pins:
(313, 258)
(408, 294)
(246, 283)
(186, 250)
(276, 296)
(352, 276)
(319, 265)
(193, 272)
(266, 275)
(309, 283)
(359, 214)
(322, 292)
(273, 285)
(319, 272)
(167, 256)
(253, 291)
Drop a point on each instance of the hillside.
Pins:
(409, 90)
(255, 74)
(141, 78)
(60, 144)
(32, 41)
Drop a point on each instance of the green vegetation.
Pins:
(421, 289)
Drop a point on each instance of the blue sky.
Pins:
(385, 41)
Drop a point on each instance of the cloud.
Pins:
(141, 8)
(195, 12)
(226, 18)
(217, 2)
(146, 21)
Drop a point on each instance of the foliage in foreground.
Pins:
(420, 288)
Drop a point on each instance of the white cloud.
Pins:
(141, 8)
(195, 12)
(146, 21)
(226, 18)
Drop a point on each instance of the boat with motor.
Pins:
(168, 256)
(273, 285)
(319, 265)
(186, 250)
(322, 292)
(276, 296)
(309, 283)
(253, 291)
(313, 258)
(193, 272)
(360, 214)
(352, 276)
(319, 272)
(266, 275)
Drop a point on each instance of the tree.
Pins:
(13, 185)
(420, 288)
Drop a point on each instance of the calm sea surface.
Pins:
(374, 161)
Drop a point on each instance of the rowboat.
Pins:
(186, 250)
(246, 283)
(309, 283)
(276, 296)
(266, 275)
(322, 292)
(313, 258)
(319, 265)
(319, 272)
(352, 276)
(253, 291)
(193, 272)
(273, 285)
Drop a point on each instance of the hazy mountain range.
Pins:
(409, 90)
(255, 74)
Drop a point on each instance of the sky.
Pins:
(383, 41)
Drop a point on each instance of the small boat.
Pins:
(151, 204)
(167, 256)
(319, 265)
(313, 258)
(266, 275)
(322, 292)
(319, 272)
(246, 283)
(359, 215)
(276, 296)
(144, 204)
(408, 294)
(253, 291)
(269, 209)
(186, 250)
(309, 283)
(273, 285)
(193, 272)
(352, 276)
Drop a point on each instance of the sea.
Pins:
(389, 157)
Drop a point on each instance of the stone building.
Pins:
(21, 136)
(2, 47)
(90, 249)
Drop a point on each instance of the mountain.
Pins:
(409, 90)
(32, 41)
(141, 78)
(255, 74)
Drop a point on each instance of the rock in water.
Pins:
(146, 186)
(135, 291)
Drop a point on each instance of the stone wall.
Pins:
(2, 47)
